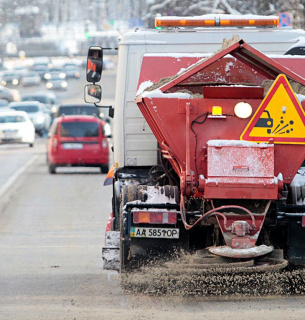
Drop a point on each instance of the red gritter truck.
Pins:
(209, 143)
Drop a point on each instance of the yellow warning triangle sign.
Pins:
(280, 118)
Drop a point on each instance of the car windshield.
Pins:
(79, 129)
(3, 103)
(8, 74)
(12, 119)
(29, 109)
(36, 98)
(70, 67)
(40, 67)
(78, 110)
(31, 74)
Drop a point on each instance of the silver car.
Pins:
(31, 78)
(37, 112)
(10, 95)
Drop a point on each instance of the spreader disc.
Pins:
(226, 251)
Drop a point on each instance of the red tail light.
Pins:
(104, 143)
(155, 217)
(54, 143)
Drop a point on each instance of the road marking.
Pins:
(16, 175)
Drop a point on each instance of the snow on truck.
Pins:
(209, 142)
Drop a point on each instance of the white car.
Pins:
(16, 127)
(37, 112)
(57, 83)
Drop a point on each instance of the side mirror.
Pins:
(111, 112)
(93, 93)
(94, 64)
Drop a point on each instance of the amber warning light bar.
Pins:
(215, 21)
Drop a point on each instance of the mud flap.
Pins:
(111, 251)
(109, 177)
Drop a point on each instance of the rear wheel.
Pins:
(116, 205)
(104, 168)
(52, 168)
(31, 145)
(128, 194)
(124, 243)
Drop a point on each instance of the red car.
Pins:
(77, 141)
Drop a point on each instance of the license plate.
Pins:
(10, 134)
(9, 137)
(164, 233)
(73, 146)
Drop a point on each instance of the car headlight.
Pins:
(49, 85)
(16, 95)
(39, 119)
(243, 110)
(64, 84)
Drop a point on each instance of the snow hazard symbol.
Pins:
(280, 118)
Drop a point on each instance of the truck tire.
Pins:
(129, 193)
(124, 244)
(105, 168)
(116, 205)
